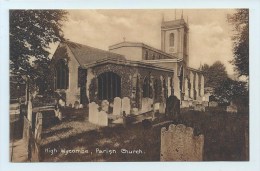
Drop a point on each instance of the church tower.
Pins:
(175, 38)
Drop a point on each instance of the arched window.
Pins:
(146, 87)
(153, 56)
(171, 39)
(136, 90)
(157, 89)
(109, 86)
(61, 75)
(172, 86)
(189, 87)
(165, 90)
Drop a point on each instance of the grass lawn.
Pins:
(224, 138)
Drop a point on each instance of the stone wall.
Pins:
(124, 72)
(127, 73)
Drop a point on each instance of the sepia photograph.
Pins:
(129, 85)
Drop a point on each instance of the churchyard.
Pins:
(76, 139)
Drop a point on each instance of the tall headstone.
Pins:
(126, 105)
(102, 118)
(117, 106)
(179, 144)
(93, 113)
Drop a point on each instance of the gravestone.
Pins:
(135, 111)
(105, 105)
(38, 127)
(156, 107)
(232, 108)
(199, 107)
(93, 113)
(126, 105)
(172, 106)
(213, 104)
(61, 103)
(194, 103)
(117, 106)
(102, 118)
(162, 108)
(179, 144)
(150, 103)
(185, 103)
(76, 105)
(205, 103)
(144, 105)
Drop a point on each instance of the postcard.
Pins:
(124, 85)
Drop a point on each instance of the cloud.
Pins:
(209, 43)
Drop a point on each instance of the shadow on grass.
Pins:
(224, 139)
(224, 133)
(55, 132)
(134, 137)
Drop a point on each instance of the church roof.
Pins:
(86, 54)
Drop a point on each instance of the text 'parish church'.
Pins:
(142, 75)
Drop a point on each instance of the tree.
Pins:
(230, 90)
(214, 74)
(240, 22)
(225, 89)
(31, 32)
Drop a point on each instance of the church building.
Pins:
(139, 74)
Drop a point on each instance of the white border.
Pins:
(253, 5)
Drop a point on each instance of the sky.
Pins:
(210, 33)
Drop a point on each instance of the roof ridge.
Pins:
(68, 41)
(84, 54)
